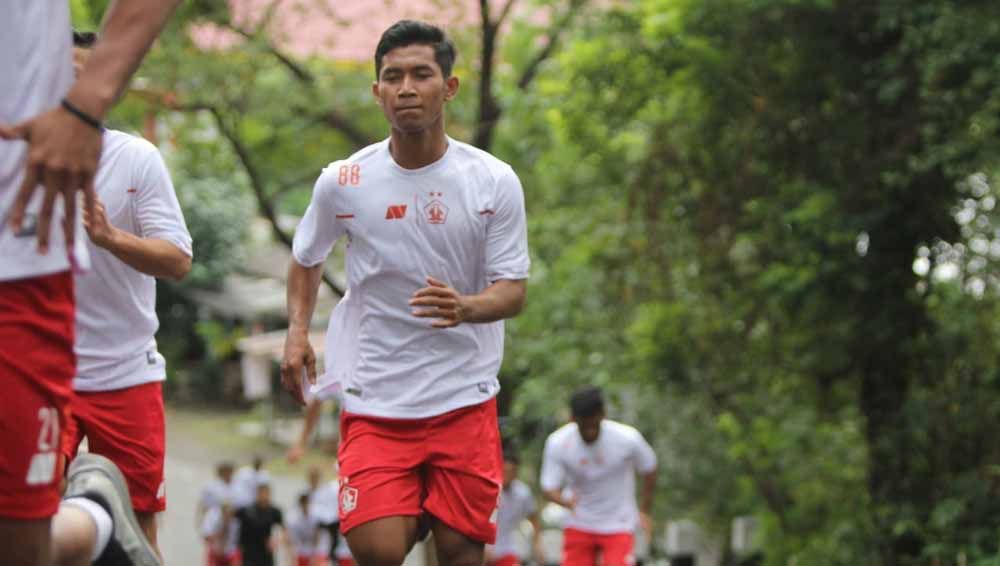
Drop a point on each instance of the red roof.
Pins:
(339, 29)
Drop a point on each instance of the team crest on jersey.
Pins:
(348, 499)
(436, 211)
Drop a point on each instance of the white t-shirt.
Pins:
(601, 475)
(303, 530)
(211, 526)
(36, 71)
(461, 220)
(215, 494)
(516, 505)
(246, 480)
(116, 304)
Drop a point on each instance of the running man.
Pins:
(50, 137)
(516, 504)
(597, 460)
(437, 258)
(215, 495)
(305, 535)
(136, 233)
(221, 531)
(258, 535)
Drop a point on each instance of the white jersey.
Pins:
(305, 534)
(226, 536)
(600, 475)
(116, 304)
(245, 484)
(215, 494)
(516, 505)
(36, 71)
(460, 220)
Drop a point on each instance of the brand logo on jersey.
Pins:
(436, 212)
(395, 212)
(348, 499)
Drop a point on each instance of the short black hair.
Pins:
(304, 498)
(84, 38)
(410, 32)
(587, 402)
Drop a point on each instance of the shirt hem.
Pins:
(364, 408)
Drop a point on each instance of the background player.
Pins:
(136, 233)
(258, 535)
(516, 504)
(597, 459)
(437, 258)
(49, 139)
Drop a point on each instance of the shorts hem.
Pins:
(478, 537)
(23, 514)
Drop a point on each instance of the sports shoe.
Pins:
(91, 474)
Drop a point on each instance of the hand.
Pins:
(294, 453)
(646, 524)
(298, 355)
(445, 304)
(100, 230)
(63, 153)
(570, 502)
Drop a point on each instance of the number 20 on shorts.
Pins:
(349, 175)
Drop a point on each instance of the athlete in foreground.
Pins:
(51, 138)
(437, 257)
(596, 460)
(136, 233)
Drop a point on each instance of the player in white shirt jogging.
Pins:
(517, 504)
(437, 257)
(135, 234)
(50, 137)
(596, 460)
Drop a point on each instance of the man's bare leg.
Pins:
(74, 536)
(383, 542)
(455, 549)
(25, 543)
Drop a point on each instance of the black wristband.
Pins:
(83, 116)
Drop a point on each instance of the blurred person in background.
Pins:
(217, 493)
(517, 504)
(221, 530)
(596, 460)
(305, 535)
(261, 529)
(247, 481)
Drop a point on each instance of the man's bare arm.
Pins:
(63, 150)
(129, 28)
(303, 288)
(503, 299)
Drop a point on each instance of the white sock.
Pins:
(101, 519)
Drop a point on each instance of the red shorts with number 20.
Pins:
(449, 466)
(37, 365)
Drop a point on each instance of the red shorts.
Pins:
(580, 548)
(506, 560)
(449, 466)
(127, 427)
(306, 560)
(233, 559)
(345, 562)
(37, 365)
